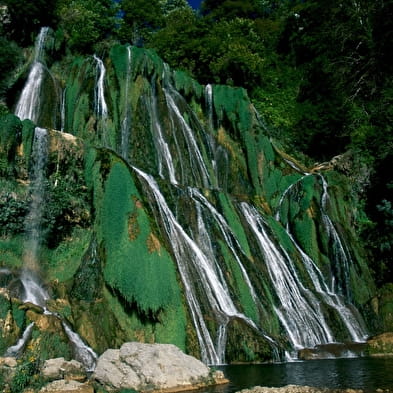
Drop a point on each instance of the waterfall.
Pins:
(28, 105)
(230, 240)
(82, 353)
(37, 189)
(126, 123)
(198, 256)
(299, 310)
(100, 107)
(351, 321)
(18, 348)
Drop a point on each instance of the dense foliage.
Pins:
(318, 71)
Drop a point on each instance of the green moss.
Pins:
(11, 251)
(18, 315)
(10, 133)
(52, 345)
(187, 85)
(62, 262)
(27, 139)
(172, 327)
(238, 284)
(4, 306)
(133, 251)
(234, 223)
(305, 232)
(87, 281)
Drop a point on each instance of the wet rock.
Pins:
(32, 307)
(298, 389)
(152, 367)
(59, 368)
(333, 350)
(45, 322)
(66, 386)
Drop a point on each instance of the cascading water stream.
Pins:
(83, 353)
(286, 192)
(191, 256)
(126, 123)
(340, 255)
(62, 110)
(100, 108)
(219, 155)
(17, 349)
(164, 155)
(299, 311)
(37, 189)
(209, 105)
(228, 236)
(28, 105)
(352, 322)
(195, 158)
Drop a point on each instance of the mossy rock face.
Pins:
(10, 136)
(246, 345)
(381, 345)
(385, 307)
(9, 329)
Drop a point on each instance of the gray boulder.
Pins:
(59, 368)
(66, 386)
(144, 367)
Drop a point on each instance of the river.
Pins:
(365, 373)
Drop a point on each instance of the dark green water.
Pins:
(368, 374)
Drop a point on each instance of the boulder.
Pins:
(59, 368)
(298, 389)
(66, 386)
(7, 369)
(145, 367)
(8, 362)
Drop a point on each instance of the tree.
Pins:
(168, 6)
(229, 9)
(10, 55)
(86, 22)
(181, 40)
(27, 17)
(139, 19)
